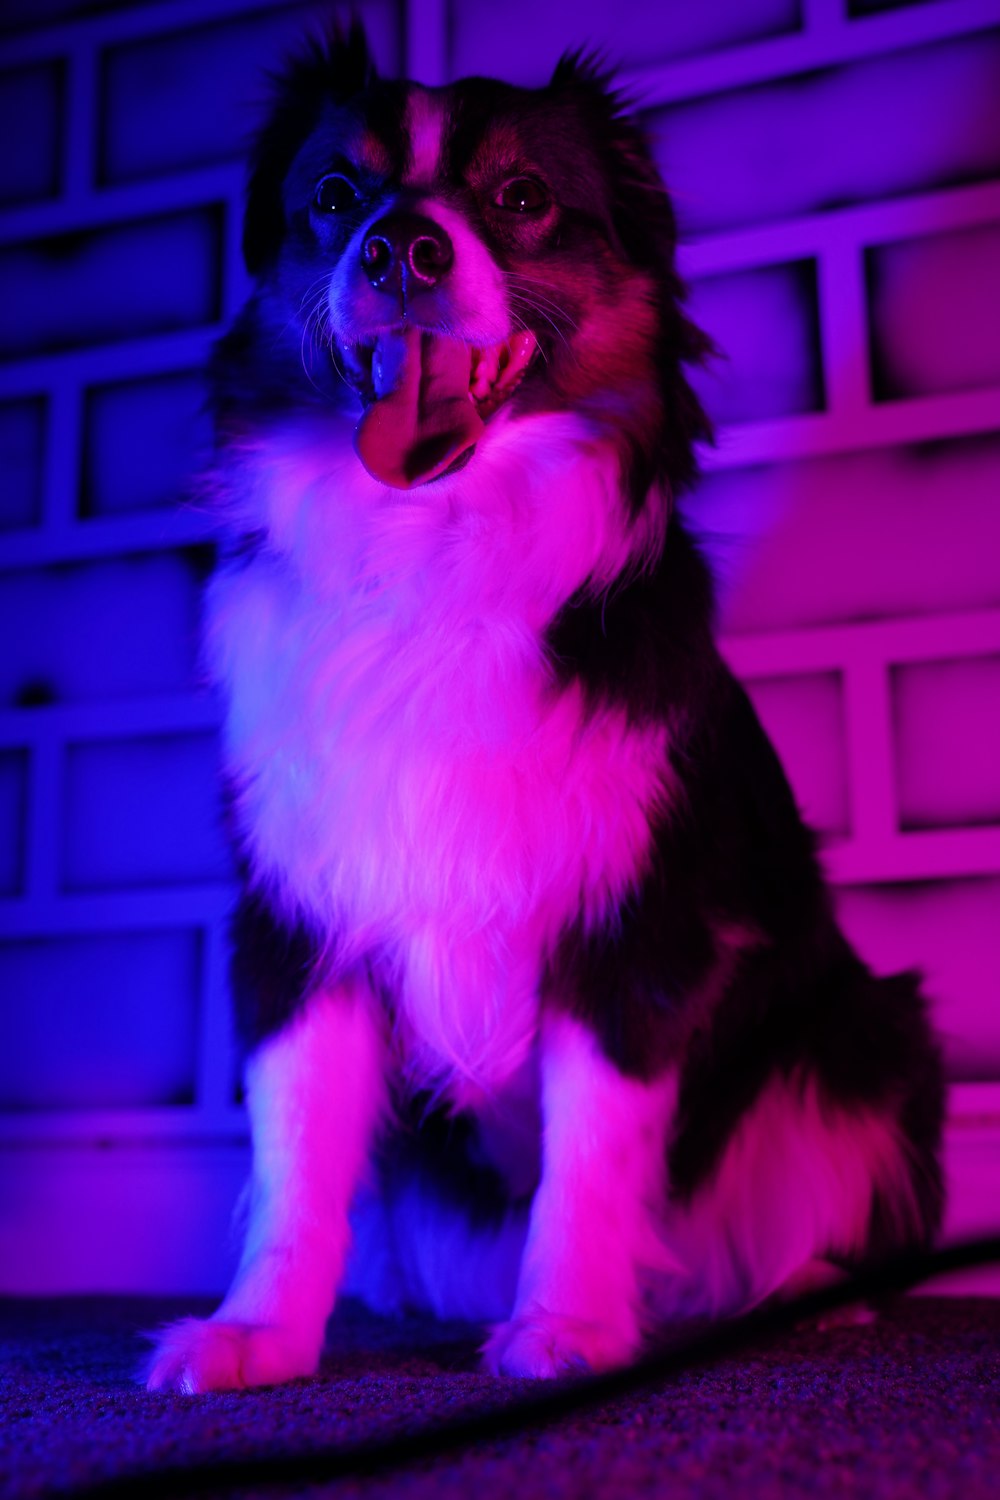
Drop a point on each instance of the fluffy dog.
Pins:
(545, 1008)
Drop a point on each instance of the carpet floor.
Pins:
(907, 1406)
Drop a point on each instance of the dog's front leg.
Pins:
(595, 1218)
(314, 1094)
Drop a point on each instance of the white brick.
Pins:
(13, 800)
(765, 324)
(804, 717)
(189, 98)
(103, 1021)
(22, 439)
(104, 285)
(935, 313)
(143, 812)
(948, 930)
(31, 117)
(143, 442)
(947, 721)
(522, 40)
(855, 536)
(111, 629)
(915, 120)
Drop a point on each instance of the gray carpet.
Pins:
(907, 1406)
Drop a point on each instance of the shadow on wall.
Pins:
(879, 506)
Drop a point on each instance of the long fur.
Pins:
(533, 961)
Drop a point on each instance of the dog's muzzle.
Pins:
(426, 395)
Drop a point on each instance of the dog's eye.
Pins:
(335, 194)
(522, 195)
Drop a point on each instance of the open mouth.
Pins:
(427, 398)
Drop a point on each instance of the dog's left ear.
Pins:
(641, 208)
(643, 223)
(334, 67)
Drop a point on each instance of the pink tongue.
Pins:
(421, 419)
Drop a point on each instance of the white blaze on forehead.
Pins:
(423, 125)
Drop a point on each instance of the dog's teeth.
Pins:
(485, 364)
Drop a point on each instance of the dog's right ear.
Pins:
(335, 67)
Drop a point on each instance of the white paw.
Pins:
(195, 1356)
(541, 1345)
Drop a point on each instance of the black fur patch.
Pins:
(647, 644)
(273, 968)
(438, 1153)
(731, 856)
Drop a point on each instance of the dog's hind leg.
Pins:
(314, 1093)
(791, 1201)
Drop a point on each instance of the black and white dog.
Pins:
(547, 1015)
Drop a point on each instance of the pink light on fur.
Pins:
(315, 1094)
(593, 1231)
(771, 1212)
(420, 762)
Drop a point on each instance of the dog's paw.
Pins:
(541, 1345)
(194, 1356)
(851, 1315)
(817, 1275)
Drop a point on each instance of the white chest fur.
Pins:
(407, 773)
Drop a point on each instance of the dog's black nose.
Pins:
(406, 252)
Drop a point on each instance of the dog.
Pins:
(548, 1021)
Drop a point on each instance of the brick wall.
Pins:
(836, 167)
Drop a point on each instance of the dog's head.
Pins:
(439, 256)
